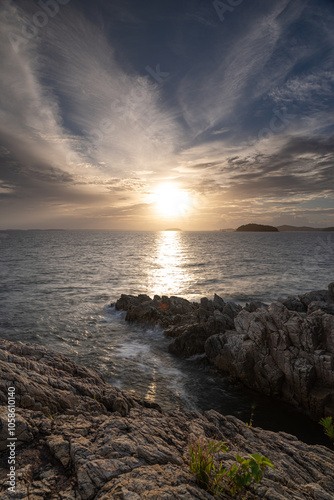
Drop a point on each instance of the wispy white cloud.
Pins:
(212, 97)
(68, 110)
(87, 136)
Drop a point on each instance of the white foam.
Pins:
(132, 350)
(196, 356)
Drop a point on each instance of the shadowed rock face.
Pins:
(102, 444)
(286, 350)
(281, 353)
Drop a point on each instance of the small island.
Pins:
(258, 228)
(172, 229)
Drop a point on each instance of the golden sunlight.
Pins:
(167, 278)
(171, 201)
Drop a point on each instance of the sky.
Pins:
(199, 114)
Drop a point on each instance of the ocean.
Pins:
(57, 288)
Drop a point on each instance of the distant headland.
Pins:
(303, 228)
(257, 227)
(272, 229)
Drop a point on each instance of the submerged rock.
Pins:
(92, 449)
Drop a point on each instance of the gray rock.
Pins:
(218, 302)
(232, 309)
(255, 305)
(282, 353)
(327, 307)
(293, 304)
(285, 349)
(87, 452)
(331, 291)
(314, 296)
(190, 342)
(58, 383)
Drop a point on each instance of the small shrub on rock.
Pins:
(211, 474)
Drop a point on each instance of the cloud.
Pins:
(69, 112)
(277, 60)
(244, 120)
(211, 99)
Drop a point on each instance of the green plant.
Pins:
(251, 419)
(328, 426)
(52, 417)
(245, 470)
(202, 464)
(214, 478)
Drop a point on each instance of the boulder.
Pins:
(314, 296)
(327, 307)
(331, 291)
(255, 305)
(293, 304)
(191, 341)
(162, 311)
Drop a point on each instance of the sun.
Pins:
(171, 201)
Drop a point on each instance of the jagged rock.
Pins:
(318, 296)
(293, 304)
(190, 342)
(58, 384)
(327, 307)
(254, 305)
(160, 311)
(285, 350)
(218, 302)
(87, 452)
(60, 448)
(190, 324)
(281, 353)
(232, 309)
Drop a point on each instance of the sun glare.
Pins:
(172, 201)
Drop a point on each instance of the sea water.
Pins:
(57, 288)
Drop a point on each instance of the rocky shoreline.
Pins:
(80, 438)
(284, 350)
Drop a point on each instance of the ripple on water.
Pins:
(56, 290)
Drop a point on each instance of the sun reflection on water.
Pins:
(169, 275)
(151, 394)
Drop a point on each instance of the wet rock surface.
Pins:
(190, 324)
(101, 444)
(284, 350)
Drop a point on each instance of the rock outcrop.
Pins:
(281, 353)
(100, 443)
(190, 324)
(285, 350)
